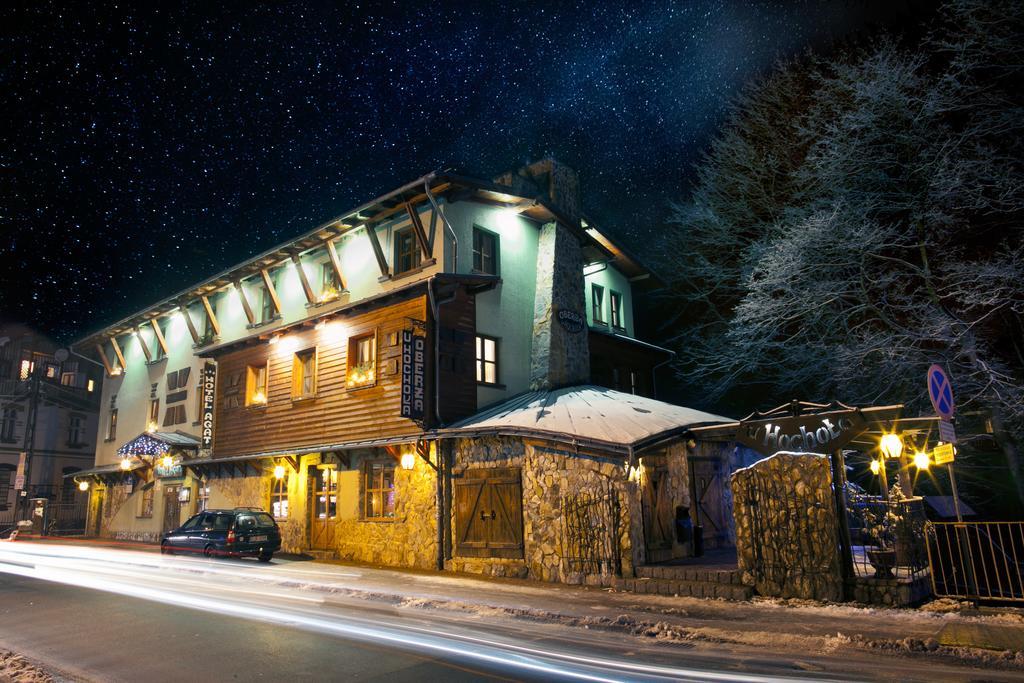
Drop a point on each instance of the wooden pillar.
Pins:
(269, 284)
(838, 462)
(188, 321)
(245, 302)
(210, 315)
(306, 289)
(159, 335)
(117, 352)
(106, 361)
(332, 252)
(382, 263)
(142, 342)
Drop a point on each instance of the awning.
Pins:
(158, 443)
(586, 416)
(113, 473)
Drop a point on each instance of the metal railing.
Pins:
(887, 536)
(977, 560)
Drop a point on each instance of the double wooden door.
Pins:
(489, 513)
(708, 493)
(172, 508)
(323, 507)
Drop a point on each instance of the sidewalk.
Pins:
(943, 629)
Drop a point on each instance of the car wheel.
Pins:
(209, 552)
(165, 548)
(265, 557)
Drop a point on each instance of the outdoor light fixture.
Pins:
(126, 464)
(408, 460)
(259, 397)
(83, 486)
(921, 460)
(279, 472)
(167, 462)
(891, 446)
(151, 427)
(320, 324)
(876, 466)
(276, 338)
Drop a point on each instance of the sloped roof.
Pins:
(586, 415)
(158, 443)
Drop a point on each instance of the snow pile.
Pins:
(15, 668)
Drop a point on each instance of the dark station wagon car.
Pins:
(241, 532)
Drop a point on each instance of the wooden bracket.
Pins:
(117, 352)
(417, 228)
(332, 252)
(106, 361)
(306, 289)
(159, 335)
(268, 282)
(142, 342)
(245, 302)
(191, 325)
(371, 232)
(210, 316)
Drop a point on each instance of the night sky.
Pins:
(146, 147)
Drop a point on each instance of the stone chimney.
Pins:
(548, 180)
(560, 353)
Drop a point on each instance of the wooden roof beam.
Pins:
(188, 322)
(142, 342)
(106, 361)
(214, 325)
(268, 282)
(245, 302)
(332, 252)
(159, 335)
(417, 228)
(306, 288)
(120, 356)
(382, 263)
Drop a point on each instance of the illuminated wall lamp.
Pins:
(921, 460)
(126, 464)
(279, 472)
(83, 486)
(876, 466)
(167, 462)
(408, 460)
(891, 445)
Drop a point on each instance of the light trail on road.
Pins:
(284, 598)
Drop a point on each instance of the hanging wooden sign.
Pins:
(414, 352)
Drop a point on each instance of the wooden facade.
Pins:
(337, 413)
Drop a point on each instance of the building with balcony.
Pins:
(49, 408)
(427, 380)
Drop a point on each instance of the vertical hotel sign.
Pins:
(413, 371)
(206, 419)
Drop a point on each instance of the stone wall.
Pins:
(786, 527)
(549, 474)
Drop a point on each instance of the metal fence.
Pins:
(977, 560)
(887, 536)
(66, 519)
(590, 533)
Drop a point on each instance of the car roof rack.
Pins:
(250, 508)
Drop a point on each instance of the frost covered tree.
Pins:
(861, 217)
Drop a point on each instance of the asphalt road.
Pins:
(109, 615)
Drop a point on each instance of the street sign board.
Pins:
(946, 432)
(19, 482)
(940, 391)
(943, 454)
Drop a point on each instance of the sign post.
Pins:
(940, 391)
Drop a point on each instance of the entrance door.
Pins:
(489, 513)
(323, 508)
(706, 480)
(658, 516)
(97, 519)
(172, 508)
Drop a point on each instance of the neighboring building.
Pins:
(350, 367)
(48, 417)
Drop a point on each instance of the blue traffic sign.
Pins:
(940, 391)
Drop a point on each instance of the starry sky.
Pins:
(146, 146)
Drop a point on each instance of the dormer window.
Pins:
(485, 251)
(407, 252)
(615, 306)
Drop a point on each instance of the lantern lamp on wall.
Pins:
(408, 460)
(891, 445)
(279, 472)
(83, 486)
(126, 464)
(921, 460)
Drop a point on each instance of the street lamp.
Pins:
(83, 486)
(891, 445)
(921, 460)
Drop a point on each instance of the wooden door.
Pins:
(97, 519)
(172, 508)
(706, 477)
(323, 508)
(489, 513)
(658, 516)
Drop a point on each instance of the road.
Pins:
(101, 614)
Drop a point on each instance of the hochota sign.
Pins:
(813, 433)
(414, 351)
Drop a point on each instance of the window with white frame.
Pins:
(486, 359)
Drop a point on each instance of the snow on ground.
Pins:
(17, 669)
